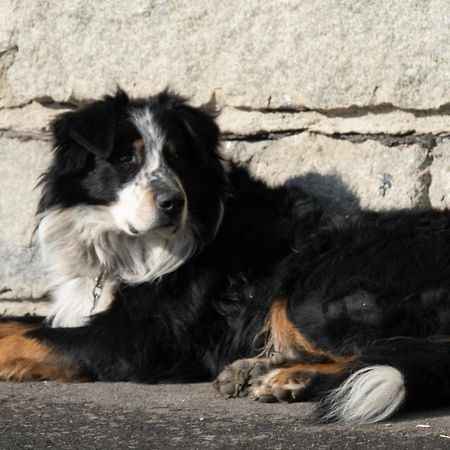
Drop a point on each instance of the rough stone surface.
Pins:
(32, 120)
(185, 417)
(440, 176)
(320, 55)
(22, 162)
(24, 307)
(341, 173)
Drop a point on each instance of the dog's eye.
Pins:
(128, 154)
(127, 159)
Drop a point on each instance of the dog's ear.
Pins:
(198, 122)
(91, 126)
(202, 128)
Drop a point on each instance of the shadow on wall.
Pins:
(329, 190)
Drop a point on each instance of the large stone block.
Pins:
(339, 172)
(320, 55)
(22, 163)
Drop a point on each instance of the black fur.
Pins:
(349, 280)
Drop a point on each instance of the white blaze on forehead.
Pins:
(154, 141)
(152, 136)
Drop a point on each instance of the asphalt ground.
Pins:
(188, 416)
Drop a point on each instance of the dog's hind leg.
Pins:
(24, 357)
(287, 366)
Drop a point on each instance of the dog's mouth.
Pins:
(163, 229)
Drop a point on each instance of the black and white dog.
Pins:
(167, 265)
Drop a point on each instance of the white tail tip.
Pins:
(369, 395)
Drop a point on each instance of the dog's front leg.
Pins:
(26, 357)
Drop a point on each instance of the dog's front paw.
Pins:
(236, 379)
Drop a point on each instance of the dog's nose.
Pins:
(170, 202)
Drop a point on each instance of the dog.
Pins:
(168, 264)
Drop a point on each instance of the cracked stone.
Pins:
(31, 118)
(242, 124)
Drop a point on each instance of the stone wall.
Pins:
(349, 99)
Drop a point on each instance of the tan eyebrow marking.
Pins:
(172, 147)
(138, 144)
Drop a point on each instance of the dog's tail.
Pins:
(398, 374)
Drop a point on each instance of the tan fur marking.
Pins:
(146, 204)
(23, 358)
(172, 148)
(138, 144)
(149, 198)
(284, 336)
(297, 372)
(9, 328)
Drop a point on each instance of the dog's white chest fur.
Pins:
(79, 243)
(73, 302)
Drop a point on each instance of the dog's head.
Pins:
(154, 163)
(145, 171)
